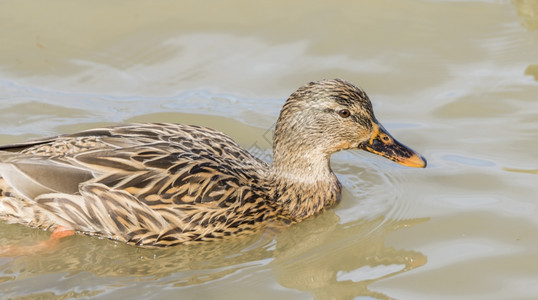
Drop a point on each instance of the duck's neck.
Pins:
(303, 183)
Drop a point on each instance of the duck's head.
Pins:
(327, 116)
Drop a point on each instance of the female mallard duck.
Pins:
(166, 184)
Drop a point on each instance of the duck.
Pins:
(165, 184)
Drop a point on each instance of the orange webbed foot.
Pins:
(13, 250)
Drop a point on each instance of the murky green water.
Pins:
(455, 80)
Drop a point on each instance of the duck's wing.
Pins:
(122, 155)
(49, 165)
(158, 185)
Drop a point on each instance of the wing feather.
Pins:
(32, 177)
(148, 184)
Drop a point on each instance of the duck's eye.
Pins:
(344, 113)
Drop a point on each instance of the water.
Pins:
(455, 80)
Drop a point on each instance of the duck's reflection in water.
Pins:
(339, 261)
(319, 256)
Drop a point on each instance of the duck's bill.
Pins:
(382, 143)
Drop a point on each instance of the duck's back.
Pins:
(149, 184)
